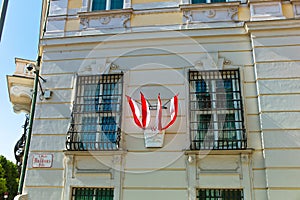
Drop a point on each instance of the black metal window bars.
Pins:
(96, 116)
(216, 110)
(92, 193)
(220, 194)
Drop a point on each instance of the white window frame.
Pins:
(107, 7)
(86, 5)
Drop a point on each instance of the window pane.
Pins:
(108, 132)
(204, 136)
(198, 1)
(84, 194)
(229, 124)
(217, 1)
(91, 97)
(108, 101)
(220, 194)
(229, 93)
(89, 130)
(99, 5)
(116, 4)
(202, 95)
(224, 93)
(228, 133)
(204, 124)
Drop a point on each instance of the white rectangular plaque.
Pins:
(42, 160)
(154, 138)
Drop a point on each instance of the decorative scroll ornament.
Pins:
(105, 20)
(125, 19)
(232, 12)
(188, 16)
(210, 13)
(84, 23)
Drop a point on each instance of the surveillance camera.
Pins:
(30, 67)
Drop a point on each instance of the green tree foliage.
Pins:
(3, 187)
(9, 178)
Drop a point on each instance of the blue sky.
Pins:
(19, 39)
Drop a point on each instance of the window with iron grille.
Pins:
(96, 116)
(92, 194)
(106, 4)
(216, 120)
(220, 194)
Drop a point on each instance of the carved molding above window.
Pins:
(105, 19)
(223, 12)
(212, 60)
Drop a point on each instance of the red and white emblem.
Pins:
(142, 119)
(145, 115)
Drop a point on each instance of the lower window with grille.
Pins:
(220, 194)
(92, 194)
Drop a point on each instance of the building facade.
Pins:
(234, 66)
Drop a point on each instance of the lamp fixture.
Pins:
(44, 93)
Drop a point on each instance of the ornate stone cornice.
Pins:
(105, 19)
(210, 12)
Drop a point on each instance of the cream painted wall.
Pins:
(145, 58)
(276, 76)
(244, 13)
(156, 19)
(72, 25)
(287, 10)
(74, 4)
